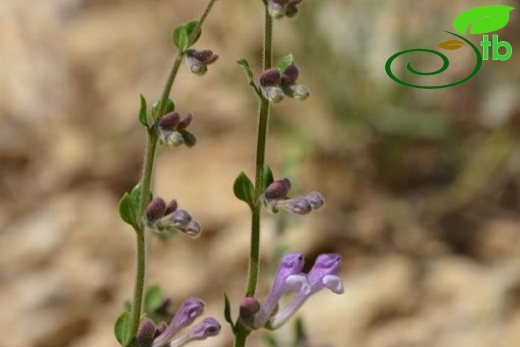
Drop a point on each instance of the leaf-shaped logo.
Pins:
(482, 20)
(451, 45)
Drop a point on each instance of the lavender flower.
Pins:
(165, 219)
(322, 275)
(275, 198)
(290, 277)
(162, 335)
(198, 61)
(172, 130)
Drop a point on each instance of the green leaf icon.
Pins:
(482, 20)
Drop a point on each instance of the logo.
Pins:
(479, 20)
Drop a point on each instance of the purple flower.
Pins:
(149, 335)
(275, 198)
(165, 219)
(171, 129)
(322, 275)
(198, 61)
(288, 278)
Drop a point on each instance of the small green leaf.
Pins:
(180, 38)
(153, 298)
(127, 209)
(270, 340)
(245, 64)
(284, 62)
(142, 112)
(170, 107)
(483, 19)
(243, 189)
(190, 26)
(122, 329)
(227, 311)
(267, 177)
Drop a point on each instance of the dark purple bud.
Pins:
(315, 199)
(205, 56)
(181, 218)
(172, 207)
(146, 333)
(278, 189)
(270, 78)
(170, 121)
(155, 210)
(249, 306)
(185, 121)
(189, 139)
(290, 74)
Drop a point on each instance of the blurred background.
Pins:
(422, 186)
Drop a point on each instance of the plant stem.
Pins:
(146, 179)
(263, 117)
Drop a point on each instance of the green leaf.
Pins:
(270, 340)
(122, 329)
(170, 107)
(243, 189)
(284, 62)
(267, 177)
(128, 209)
(190, 26)
(227, 311)
(142, 112)
(483, 19)
(153, 298)
(245, 64)
(180, 38)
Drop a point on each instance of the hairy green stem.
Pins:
(263, 118)
(146, 179)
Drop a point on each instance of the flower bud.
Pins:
(291, 10)
(174, 139)
(298, 91)
(198, 61)
(181, 218)
(273, 94)
(315, 199)
(185, 121)
(270, 78)
(299, 205)
(189, 139)
(172, 207)
(290, 74)
(170, 121)
(193, 228)
(155, 209)
(278, 189)
(276, 11)
(249, 306)
(145, 333)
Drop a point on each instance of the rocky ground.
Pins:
(428, 226)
